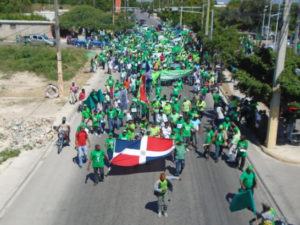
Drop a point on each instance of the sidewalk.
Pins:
(15, 177)
(282, 152)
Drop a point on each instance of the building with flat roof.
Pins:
(10, 28)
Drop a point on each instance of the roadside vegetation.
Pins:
(7, 154)
(40, 60)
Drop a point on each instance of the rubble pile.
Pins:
(26, 133)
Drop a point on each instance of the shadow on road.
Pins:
(172, 170)
(90, 176)
(229, 197)
(153, 166)
(152, 206)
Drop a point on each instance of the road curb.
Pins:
(277, 157)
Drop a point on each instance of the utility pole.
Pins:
(276, 30)
(297, 29)
(113, 14)
(207, 17)
(263, 23)
(181, 14)
(269, 21)
(280, 61)
(202, 17)
(212, 24)
(59, 60)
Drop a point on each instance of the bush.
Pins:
(41, 60)
(16, 16)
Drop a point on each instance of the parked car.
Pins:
(41, 39)
(142, 22)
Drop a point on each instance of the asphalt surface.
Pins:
(62, 193)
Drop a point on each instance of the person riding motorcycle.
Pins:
(65, 128)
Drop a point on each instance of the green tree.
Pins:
(15, 6)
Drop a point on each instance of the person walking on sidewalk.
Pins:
(96, 157)
(80, 144)
(161, 188)
(291, 117)
(248, 179)
(242, 146)
(73, 93)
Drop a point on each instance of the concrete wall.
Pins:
(9, 30)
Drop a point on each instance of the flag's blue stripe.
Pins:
(147, 67)
(122, 144)
(148, 159)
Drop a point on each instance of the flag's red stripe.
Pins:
(126, 160)
(159, 144)
(143, 95)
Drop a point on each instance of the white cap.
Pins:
(180, 115)
(119, 101)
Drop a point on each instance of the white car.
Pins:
(145, 27)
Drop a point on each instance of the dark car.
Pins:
(142, 22)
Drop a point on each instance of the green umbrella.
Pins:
(91, 54)
(176, 49)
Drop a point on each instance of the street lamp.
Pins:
(263, 23)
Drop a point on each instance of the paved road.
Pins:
(62, 193)
(150, 21)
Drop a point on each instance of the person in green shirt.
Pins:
(186, 132)
(227, 124)
(234, 115)
(143, 125)
(130, 127)
(124, 136)
(155, 108)
(179, 152)
(134, 110)
(111, 118)
(96, 157)
(120, 116)
(110, 146)
(158, 89)
(167, 109)
(95, 118)
(248, 179)
(117, 84)
(175, 90)
(242, 146)
(220, 142)
(186, 106)
(86, 113)
(208, 141)
(216, 98)
(173, 118)
(154, 130)
(204, 91)
(176, 105)
(174, 135)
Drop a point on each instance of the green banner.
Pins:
(174, 74)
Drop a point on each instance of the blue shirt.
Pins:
(195, 123)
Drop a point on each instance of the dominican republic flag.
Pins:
(132, 153)
(142, 93)
(148, 73)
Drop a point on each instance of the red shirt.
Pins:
(81, 96)
(162, 57)
(81, 138)
(126, 83)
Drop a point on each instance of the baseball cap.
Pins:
(250, 167)
(110, 134)
(124, 131)
(180, 115)
(236, 128)
(176, 99)
(185, 97)
(137, 134)
(221, 127)
(227, 119)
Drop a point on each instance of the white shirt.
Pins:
(129, 66)
(220, 113)
(195, 123)
(166, 131)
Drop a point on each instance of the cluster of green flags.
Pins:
(98, 96)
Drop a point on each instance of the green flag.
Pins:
(100, 96)
(242, 200)
(89, 102)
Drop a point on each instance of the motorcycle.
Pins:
(62, 140)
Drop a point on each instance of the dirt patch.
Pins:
(23, 94)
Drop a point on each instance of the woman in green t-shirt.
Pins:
(242, 146)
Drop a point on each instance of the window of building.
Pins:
(13, 26)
